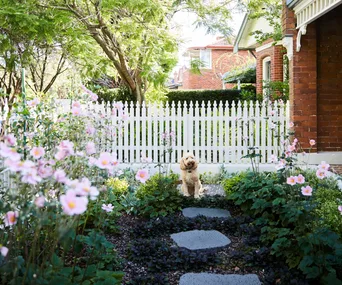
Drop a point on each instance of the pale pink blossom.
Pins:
(92, 95)
(33, 102)
(272, 112)
(90, 130)
(65, 149)
(288, 153)
(26, 166)
(76, 111)
(3, 250)
(340, 209)
(273, 158)
(61, 154)
(10, 140)
(295, 141)
(52, 193)
(92, 161)
(281, 164)
(90, 148)
(124, 116)
(291, 148)
(108, 208)
(84, 188)
(105, 161)
(321, 173)
(14, 166)
(118, 105)
(31, 177)
(72, 183)
(45, 172)
(115, 162)
(291, 125)
(312, 142)
(37, 152)
(307, 191)
(76, 104)
(10, 218)
(9, 152)
(40, 201)
(145, 159)
(142, 175)
(324, 165)
(72, 204)
(291, 180)
(300, 179)
(60, 176)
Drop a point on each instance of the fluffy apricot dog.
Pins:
(191, 184)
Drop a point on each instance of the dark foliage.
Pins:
(151, 279)
(159, 256)
(204, 95)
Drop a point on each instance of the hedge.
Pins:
(203, 95)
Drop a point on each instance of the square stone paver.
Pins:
(218, 279)
(196, 239)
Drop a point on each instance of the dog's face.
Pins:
(188, 162)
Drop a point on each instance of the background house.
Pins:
(217, 58)
(312, 42)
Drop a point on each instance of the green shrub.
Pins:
(117, 186)
(204, 95)
(159, 196)
(327, 200)
(229, 184)
(299, 229)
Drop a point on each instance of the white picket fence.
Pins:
(215, 133)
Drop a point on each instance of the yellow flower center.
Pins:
(105, 162)
(71, 204)
(36, 152)
(12, 219)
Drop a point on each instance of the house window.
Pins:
(266, 72)
(205, 58)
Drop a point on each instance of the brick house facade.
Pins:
(222, 59)
(312, 40)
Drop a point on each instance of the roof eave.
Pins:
(239, 35)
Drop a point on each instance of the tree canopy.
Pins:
(129, 39)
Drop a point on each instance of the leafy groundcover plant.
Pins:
(298, 212)
(55, 210)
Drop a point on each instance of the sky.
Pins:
(198, 37)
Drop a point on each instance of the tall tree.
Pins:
(135, 34)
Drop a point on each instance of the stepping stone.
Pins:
(196, 239)
(218, 279)
(207, 212)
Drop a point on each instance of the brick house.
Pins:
(218, 58)
(312, 41)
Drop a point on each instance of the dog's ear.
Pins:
(182, 164)
(195, 165)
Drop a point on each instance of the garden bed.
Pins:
(244, 255)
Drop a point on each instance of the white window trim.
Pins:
(210, 58)
(264, 73)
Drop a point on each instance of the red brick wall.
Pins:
(329, 81)
(315, 80)
(303, 80)
(222, 61)
(276, 54)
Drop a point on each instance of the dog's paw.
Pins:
(197, 196)
(187, 195)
